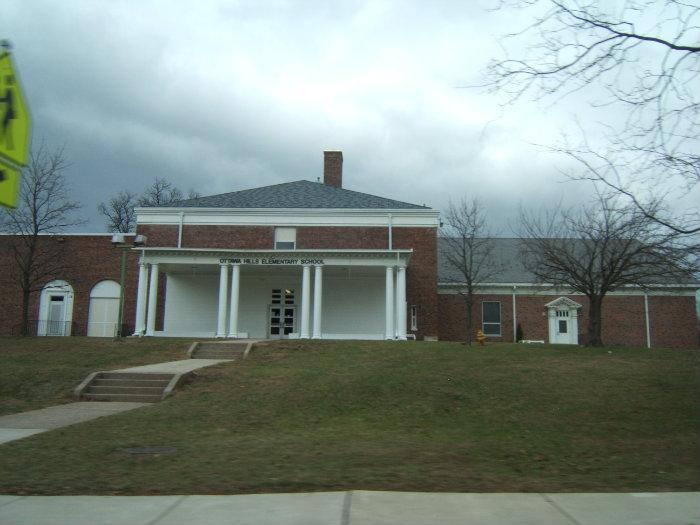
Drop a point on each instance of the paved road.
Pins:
(357, 508)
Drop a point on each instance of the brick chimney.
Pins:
(333, 168)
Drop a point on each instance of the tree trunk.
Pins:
(24, 329)
(595, 311)
(469, 300)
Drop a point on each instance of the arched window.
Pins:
(104, 309)
(55, 309)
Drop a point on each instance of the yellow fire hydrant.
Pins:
(480, 337)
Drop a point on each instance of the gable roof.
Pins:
(563, 302)
(297, 194)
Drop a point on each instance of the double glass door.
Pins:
(282, 314)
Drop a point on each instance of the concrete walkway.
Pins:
(18, 426)
(357, 508)
(25, 424)
(174, 367)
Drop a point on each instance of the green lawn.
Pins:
(36, 372)
(392, 416)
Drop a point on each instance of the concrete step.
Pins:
(149, 391)
(160, 383)
(135, 375)
(136, 398)
(222, 346)
(212, 355)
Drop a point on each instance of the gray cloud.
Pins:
(220, 96)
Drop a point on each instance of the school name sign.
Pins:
(261, 261)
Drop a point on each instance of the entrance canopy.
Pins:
(358, 294)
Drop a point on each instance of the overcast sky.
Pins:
(220, 96)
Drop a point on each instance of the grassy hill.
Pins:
(306, 416)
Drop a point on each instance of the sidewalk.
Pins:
(25, 424)
(357, 508)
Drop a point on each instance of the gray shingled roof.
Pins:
(506, 255)
(297, 194)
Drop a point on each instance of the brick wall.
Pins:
(243, 237)
(347, 238)
(671, 322)
(672, 319)
(453, 317)
(159, 235)
(89, 260)
(421, 276)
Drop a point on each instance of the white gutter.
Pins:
(179, 231)
(515, 318)
(646, 318)
(391, 225)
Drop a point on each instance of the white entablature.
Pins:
(275, 258)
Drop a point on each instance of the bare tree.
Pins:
(597, 249)
(160, 193)
(119, 212)
(651, 73)
(468, 249)
(44, 208)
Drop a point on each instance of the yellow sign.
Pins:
(9, 185)
(15, 122)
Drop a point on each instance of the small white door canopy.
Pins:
(564, 303)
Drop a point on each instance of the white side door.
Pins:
(562, 327)
(55, 322)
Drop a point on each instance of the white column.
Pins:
(152, 301)
(141, 300)
(318, 293)
(401, 303)
(390, 322)
(235, 294)
(223, 294)
(305, 299)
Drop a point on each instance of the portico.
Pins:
(319, 294)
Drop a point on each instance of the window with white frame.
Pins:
(491, 318)
(414, 318)
(285, 238)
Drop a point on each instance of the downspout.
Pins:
(391, 233)
(646, 318)
(515, 318)
(179, 232)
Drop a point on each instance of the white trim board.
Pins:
(288, 217)
(676, 290)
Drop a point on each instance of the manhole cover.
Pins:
(150, 450)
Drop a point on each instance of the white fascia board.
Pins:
(550, 289)
(288, 217)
